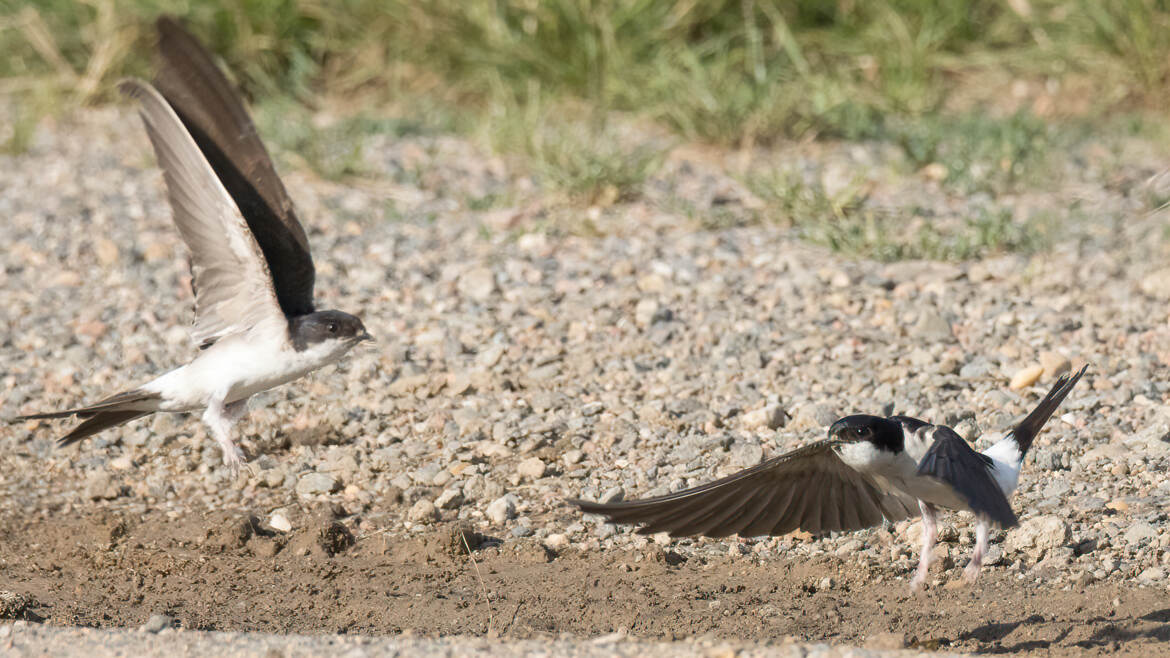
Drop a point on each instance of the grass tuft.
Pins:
(593, 164)
(840, 220)
(332, 148)
(978, 153)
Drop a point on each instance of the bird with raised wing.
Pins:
(869, 469)
(255, 321)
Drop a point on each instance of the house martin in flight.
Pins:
(255, 321)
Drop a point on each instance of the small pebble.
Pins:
(157, 623)
(1025, 377)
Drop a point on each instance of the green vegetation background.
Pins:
(563, 84)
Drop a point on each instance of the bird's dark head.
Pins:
(326, 328)
(882, 432)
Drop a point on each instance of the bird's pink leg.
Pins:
(981, 538)
(929, 536)
(220, 419)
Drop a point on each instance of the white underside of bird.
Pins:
(224, 376)
(900, 471)
(250, 363)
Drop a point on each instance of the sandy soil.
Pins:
(228, 573)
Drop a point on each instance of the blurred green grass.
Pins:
(840, 220)
(975, 86)
(727, 71)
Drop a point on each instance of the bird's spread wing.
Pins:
(809, 489)
(233, 290)
(212, 111)
(954, 462)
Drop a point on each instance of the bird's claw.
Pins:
(918, 584)
(234, 459)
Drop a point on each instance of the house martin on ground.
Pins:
(870, 468)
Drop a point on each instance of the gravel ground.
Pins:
(527, 353)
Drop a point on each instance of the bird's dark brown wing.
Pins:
(233, 285)
(809, 489)
(956, 463)
(212, 111)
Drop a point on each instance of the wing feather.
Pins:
(797, 510)
(807, 488)
(951, 460)
(767, 517)
(233, 288)
(682, 520)
(211, 109)
(751, 512)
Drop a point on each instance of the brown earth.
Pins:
(226, 571)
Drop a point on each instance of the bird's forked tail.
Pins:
(114, 410)
(1028, 428)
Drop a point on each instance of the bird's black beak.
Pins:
(365, 335)
(836, 429)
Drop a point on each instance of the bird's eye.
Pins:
(332, 327)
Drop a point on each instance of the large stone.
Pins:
(645, 311)
(99, 486)
(406, 385)
(157, 623)
(1025, 377)
(745, 454)
(1140, 533)
(932, 326)
(501, 509)
(1054, 364)
(612, 495)
(449, 499)
(106, 251)
(1037, 535)
(316, 483)
(532, 468)
(556, 541)
(1152, 574)
(340, 463)
(422, 511)
(976, 368)
(814, 416)
(278, 521)
(1156, 284)
(478, 283)
(771, 416)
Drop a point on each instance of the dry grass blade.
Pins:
(111, 44)
(40, 37)
(482, 586)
